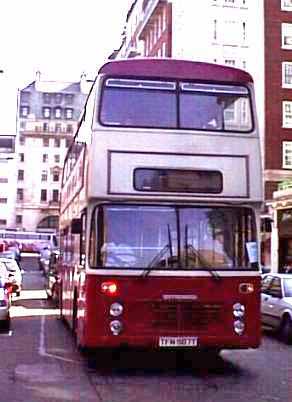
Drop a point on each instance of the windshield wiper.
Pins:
(202, 263)
(160, 254)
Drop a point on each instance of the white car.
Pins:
(14, 274)
(276, 304)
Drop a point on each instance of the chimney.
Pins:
(38, 75)
(83, 83)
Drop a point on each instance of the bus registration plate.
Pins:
(178, 341)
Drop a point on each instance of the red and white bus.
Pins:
(29, 241)
(160, 204)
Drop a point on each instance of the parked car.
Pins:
(4, 306)
(9, 254)
(14, 274)
(276, 304)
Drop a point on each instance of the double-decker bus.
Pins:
(160, 202)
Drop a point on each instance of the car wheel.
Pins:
(286, 329)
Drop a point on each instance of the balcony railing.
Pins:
(285, 185)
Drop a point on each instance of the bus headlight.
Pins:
(238, 310)
(116, 309)
(116, 327)
(239, 327)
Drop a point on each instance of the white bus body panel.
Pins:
(112, 174)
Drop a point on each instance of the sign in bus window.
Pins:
(178, 180)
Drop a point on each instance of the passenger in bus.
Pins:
(114, 255)
(116, 251)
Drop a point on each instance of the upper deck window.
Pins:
(173, 105)
(215, 107)
(137, 103)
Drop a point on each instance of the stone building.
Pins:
(48, 112)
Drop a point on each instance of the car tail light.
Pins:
(109, 288)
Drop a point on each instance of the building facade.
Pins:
(7, 181)
(229, 32)
(48, 112)
(278, 132)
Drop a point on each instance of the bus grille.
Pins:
(185, 315)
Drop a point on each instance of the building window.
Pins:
(47, 98)
(19, 194)
(3, 180)
(244, 31)
(43, 195)
(58, 113)
(68, 142)
(46, 142)
(215, 30)
(21, 157)
(21, 140)
(229, 62)
(45, 127)
(18, 219)
(69, 128)
(58, 98)
(20, 175)
(45, 158)
(46, 112)
(55, 196)
(286, 36)
(286, 5)
(58, 128)
(57, 142)
(69, 98)
(287, 74)
(44, 176)
(3, 200)
(57, 158)
(56, 177)
(24, 111)
(3, 222)
(287, 154)
(69, 113)
(287, 114)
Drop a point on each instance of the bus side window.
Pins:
(83, 239)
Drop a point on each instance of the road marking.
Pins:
(42, 346)
(9, 333)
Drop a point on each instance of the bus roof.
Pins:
(176, 69)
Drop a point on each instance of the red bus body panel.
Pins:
(176, 69)
(201, 307)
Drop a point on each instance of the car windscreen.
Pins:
(288, 287)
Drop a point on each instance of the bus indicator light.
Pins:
(109, 288)
(246, 288)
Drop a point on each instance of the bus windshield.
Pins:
(175, 105)
(173, 237)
